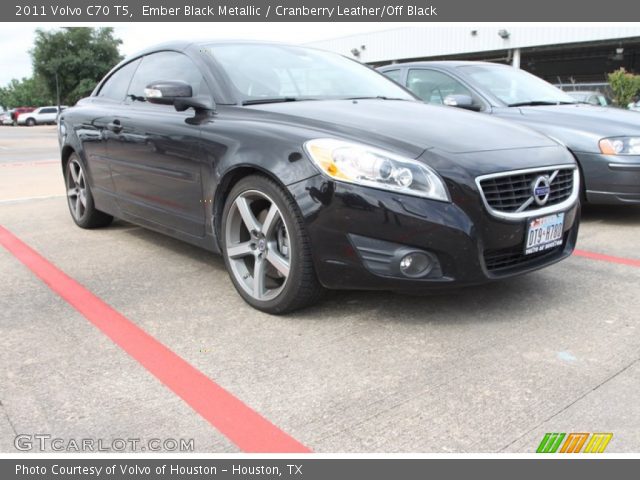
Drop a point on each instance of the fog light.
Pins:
(415, 264)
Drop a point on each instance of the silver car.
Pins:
(605, 141)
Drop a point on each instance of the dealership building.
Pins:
(561, 54)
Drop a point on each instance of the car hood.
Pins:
(408, 126)
(578, 126)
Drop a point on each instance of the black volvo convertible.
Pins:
(307, 170)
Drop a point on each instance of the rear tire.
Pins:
(266, 248)
(79, 198)
(30, 122)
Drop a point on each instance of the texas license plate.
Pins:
(544, 233)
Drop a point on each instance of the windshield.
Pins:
(515, 87)
(260, 72)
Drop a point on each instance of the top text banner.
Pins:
(67, 11)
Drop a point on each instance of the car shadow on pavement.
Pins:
(174, 245)
(484, 303)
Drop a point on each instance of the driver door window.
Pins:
(433, 86)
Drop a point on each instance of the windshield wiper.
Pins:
(257, 101)
(536, 103)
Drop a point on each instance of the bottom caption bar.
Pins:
(315, 469)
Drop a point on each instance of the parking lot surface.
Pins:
(484, 369)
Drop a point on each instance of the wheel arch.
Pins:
(65, 154)
(69, 146)
(583, 182)
(226, 183)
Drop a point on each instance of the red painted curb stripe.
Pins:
(607, 258)
(239, 423)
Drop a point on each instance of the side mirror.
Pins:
(176, 93)
(166, 93)
(461, 101)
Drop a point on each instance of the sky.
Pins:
(17, 39)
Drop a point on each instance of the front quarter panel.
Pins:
(234, 144)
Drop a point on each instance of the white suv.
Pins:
(40, 116)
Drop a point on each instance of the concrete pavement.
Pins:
(486, 369)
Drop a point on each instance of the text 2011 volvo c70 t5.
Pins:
(307, 170)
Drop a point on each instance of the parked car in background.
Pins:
(16, 112)
(5, 118)
(598, 99)
(308, 170)
(604, 141)
(634, 106)
(40, 116)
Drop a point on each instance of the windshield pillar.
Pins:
(516, 58)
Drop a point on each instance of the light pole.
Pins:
(57, 91)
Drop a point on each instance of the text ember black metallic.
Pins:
(307, 171)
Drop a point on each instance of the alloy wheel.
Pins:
(257, 245)
(76, 189)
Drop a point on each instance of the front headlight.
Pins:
(620, 146)
(372, 167)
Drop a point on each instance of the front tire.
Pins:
(79, 198)
(266, 249)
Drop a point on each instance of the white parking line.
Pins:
(36, 163)
(28, 199)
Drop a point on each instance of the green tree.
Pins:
(78, 56)
(624, 85)
(30, 92)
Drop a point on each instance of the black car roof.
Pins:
(175, 45)
(183, 45)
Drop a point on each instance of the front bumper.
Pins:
(611, 179)
(353, 230)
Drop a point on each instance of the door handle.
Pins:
(115, 126)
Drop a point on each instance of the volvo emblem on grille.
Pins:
(541, 190)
